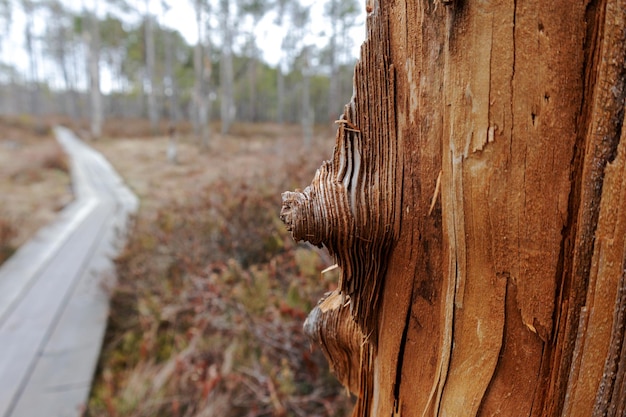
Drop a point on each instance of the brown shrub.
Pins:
(35, 161)
(8, 232)
(55, 159)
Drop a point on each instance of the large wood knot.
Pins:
(331, 326)
(298, 215)
(321, 213)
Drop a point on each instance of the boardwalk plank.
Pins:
(53, 321)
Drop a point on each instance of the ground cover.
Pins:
(34, 180)
(207, 314)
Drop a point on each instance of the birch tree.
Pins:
(59, 34)
(29, 7)
(255, 9)
(296, 54)
(280, 76)
(114, 50)
(341, 15)
(6, 11)
(9, 73)
(308, 115)
(475, 204)
(226, 66)
(202, 72)
(153, 111)
(91, 34)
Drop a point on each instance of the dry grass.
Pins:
(34, 181)
(207, 318)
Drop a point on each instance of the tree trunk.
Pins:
(197, 68)
(34, 98)
(252, 83)
(334, 93)
(202, 69)
(280, 91)
(62, 59)
(307, 118)
(153, 111)
(95, 95)
(476, 205)
(171, 90)
(226, 68)
(206, 108)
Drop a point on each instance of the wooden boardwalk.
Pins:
(54, 293)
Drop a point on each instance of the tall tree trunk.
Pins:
(70, 92)
(171, 91)
(476, 205)
(76, 68)
(280, 91)
(34, 99)
(202, 69)
(95, 95)
(153, 111)
(307, 117)
(171, 85)
(252, 83)
(197, 68)
(226, 68)
(334, 93)
(205, 102)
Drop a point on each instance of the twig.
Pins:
(436, 194)
(351, 127)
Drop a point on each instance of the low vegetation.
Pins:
(34, 180)
(206, 319)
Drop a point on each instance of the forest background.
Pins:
(117, 58)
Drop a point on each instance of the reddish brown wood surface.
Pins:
(476, 204)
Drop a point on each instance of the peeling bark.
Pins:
(476, 204)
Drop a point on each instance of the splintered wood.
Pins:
(476, 205)
(350, 207)
(332, 327)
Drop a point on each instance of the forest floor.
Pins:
(207, 317)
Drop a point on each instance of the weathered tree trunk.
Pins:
(476, 205)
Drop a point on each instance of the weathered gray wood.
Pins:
(53, 294)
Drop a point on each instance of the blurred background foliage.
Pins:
(103, 59)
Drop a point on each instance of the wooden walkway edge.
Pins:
(54, 297)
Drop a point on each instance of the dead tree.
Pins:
(476, 205)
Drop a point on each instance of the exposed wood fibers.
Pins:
(475, 203)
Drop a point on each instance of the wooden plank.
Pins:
(55, 303)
